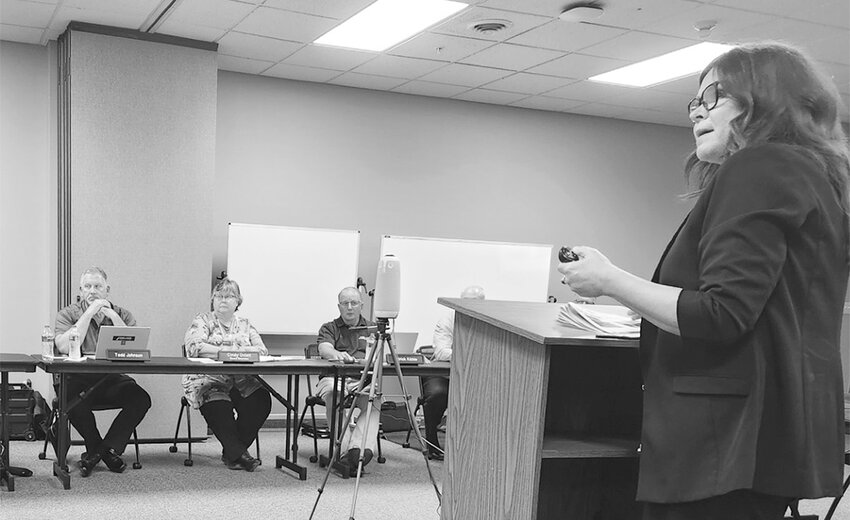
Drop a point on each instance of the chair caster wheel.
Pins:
(313, 458)
(381, 460)
(172, 449)
(137, 465)
(188, 462)
(42, 456)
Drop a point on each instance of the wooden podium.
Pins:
(544, 420)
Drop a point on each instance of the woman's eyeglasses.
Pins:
(708, 98)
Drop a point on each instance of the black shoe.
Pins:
(112, 460)
(435, 455)
(87, 463)
(245, 461)
(353, 458)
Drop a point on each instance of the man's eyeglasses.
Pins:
(350, 305)
(708, 98)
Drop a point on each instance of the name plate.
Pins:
(238, 356)
(407, 359)
(128, 354)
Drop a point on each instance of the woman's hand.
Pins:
(590, 275)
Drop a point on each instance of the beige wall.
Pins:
(27, 202)
(302, 154)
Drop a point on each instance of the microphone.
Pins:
(387, 288)
(566, 254)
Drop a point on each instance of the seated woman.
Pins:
(217, 396)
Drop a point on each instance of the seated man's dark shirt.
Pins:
(340, 335)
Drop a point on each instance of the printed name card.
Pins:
(407, 359)
(128, 354)
(238, 356)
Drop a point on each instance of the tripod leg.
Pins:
(412, 418)
(338, 442)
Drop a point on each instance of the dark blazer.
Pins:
(750, 396)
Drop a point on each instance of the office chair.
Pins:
(311, 351)
(54, 420)
(186, 406)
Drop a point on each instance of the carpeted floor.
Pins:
(164, 488)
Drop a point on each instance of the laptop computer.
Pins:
(121, 338)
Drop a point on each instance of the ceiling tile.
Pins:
(461, 24)
(285, 25)
(257, 47)
(466, 75)
(618, 112)
(66, 14)
(16, 33)
(480, 95)
(25, 14)
(631, 14)
(564, 36)
(578, 66)
(591, 91)
(730, 22)
(776, 7)
(525, 83)
(547, 103)
(439, 47)
(636, 46)
(195, 32)
(427, 88)
(336, 9)
(282, 70)
(329, 57)
(828, 12)
(124, 6)
(513, 57)
(399, 67)
(237, 64)
(352, 79)
(222, 14)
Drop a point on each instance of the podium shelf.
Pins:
(584, 446)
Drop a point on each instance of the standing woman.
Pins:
(743, 399)
(218, 396)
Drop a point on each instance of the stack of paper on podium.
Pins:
(603, 320)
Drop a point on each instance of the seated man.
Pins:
(435, 389)
(89, 314)
(337, 342)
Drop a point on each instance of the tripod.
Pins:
(372, 389)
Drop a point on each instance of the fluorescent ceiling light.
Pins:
(666, 67)
(388, 22)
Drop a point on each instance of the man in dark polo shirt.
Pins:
(338, 342)
(89, 314)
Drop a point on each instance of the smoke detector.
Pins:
(490, 27)
(581, 13)
(704, 27)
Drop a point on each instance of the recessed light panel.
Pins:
(666, 67)
(388, 22)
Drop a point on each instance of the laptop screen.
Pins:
(121, 338)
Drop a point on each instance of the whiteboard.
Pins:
(289, 276)
(434, 267)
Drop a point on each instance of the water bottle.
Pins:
(47, 343)
(74, 343)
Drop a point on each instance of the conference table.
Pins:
(10, 363)
(181, 365)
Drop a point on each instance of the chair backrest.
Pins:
(183, 350)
